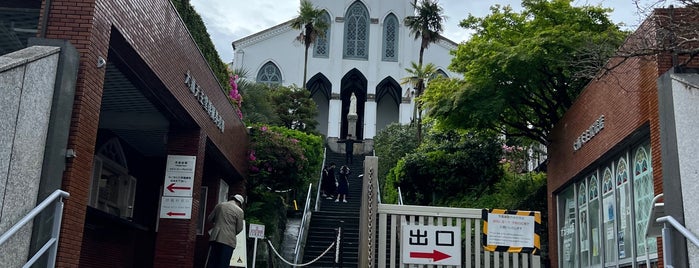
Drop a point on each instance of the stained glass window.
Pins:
(356, 31)
(321, 48)
(269, 74)
(390, 38)
(643, 197)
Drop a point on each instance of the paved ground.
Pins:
(290, 235)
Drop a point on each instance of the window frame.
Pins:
(353, 22)
(386, 43)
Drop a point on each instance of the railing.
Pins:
(667, 240)
(320, 181)
(306, 218)
(52, 244)
(303, 231)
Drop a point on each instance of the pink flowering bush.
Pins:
(281, 158)
(235, 96)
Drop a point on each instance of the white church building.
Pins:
(365, 51)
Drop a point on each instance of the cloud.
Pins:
(228, 20)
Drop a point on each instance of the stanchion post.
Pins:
(254, 253)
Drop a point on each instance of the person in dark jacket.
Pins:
(343, 184)
(328, 182)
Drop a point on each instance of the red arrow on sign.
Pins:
(175, 214)
(435, 255)
(172, 187)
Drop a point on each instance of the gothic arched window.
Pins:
(390, 38)
(356, 32)
(269, 74)
(321, 48)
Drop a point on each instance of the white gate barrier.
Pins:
(468, 220)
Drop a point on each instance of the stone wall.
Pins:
(27, 80)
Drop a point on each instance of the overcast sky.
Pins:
(229, 20)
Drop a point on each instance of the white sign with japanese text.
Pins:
(257, 231)
(429, 244)
(510, 230)
(179, 175)
(175, 207)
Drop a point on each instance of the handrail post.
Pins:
(55, 232)
(667, 246)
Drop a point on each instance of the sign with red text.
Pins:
(179, 175)
(429, 244)
(257, 231)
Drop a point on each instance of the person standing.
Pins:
(228, 220)
(343, 184)
(328, 183)
(349, 148)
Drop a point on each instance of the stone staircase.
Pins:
(331, 215)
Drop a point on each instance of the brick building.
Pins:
(615, 150)
(141, 99)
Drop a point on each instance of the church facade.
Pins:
(365, 51)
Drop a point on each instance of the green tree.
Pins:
(295, 109)
(310, 22)
(391, 144)
(418, 75)
(523, 70)
(446, 166)
(425, 25)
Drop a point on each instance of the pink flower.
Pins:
(263, 128)
(254, 169)
(294, 140)
(251, 156)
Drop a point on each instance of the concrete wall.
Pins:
(27, 80)
(679, 95)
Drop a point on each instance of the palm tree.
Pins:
(310, 22)
(426, 24)
(418, 76)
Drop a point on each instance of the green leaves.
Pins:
(523, 70)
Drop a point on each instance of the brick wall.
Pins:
(154, 30)
(628, 98)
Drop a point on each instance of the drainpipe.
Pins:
(45, 19)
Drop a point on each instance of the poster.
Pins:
(623, 206)
(608, 203)
(584, 239)
(595, 242)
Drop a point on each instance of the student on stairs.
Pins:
(343, 184)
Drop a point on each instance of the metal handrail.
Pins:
(306, 218)
(320, 180)
(304, 225)
(52, 244)
(678, 226)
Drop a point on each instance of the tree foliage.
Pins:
(310, 21)
(282, 159)
(295, 109)
(391, 144)
(447, 165)
(201, 37)
(426, 24)
(523, 70)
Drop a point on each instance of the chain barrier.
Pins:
(302, 264)
(370, 217)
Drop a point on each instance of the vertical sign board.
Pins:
(257, 231)
(239, 257)
(512, 231)
(176, 201)
(429, 244)
(179, 175)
